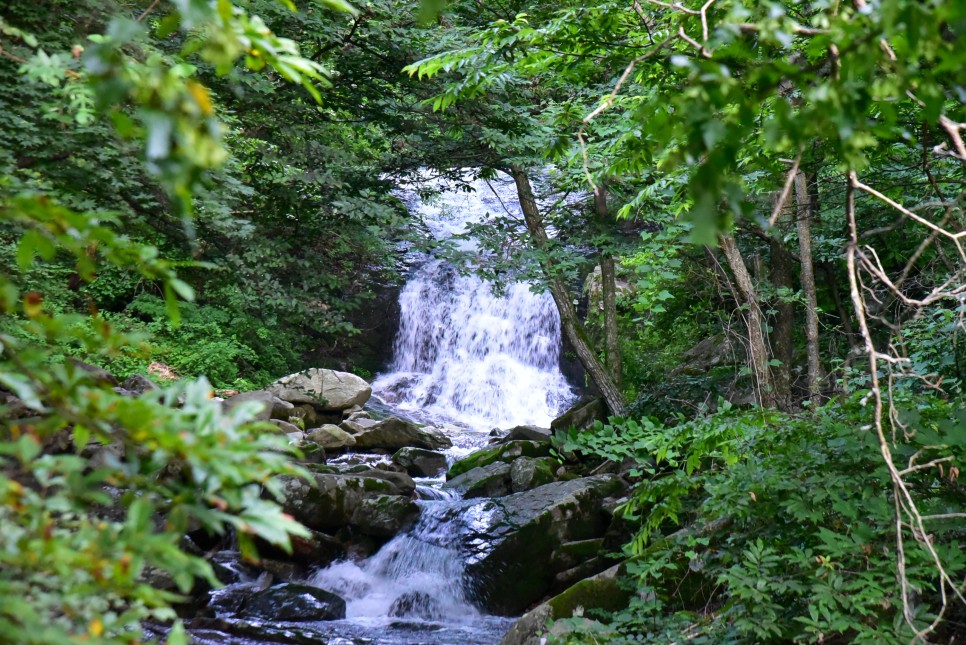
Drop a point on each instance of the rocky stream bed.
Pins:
(418, 534)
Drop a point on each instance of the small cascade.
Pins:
(418, 575)
(463, 353)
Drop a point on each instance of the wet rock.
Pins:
(527, 433)
(384, 515)
(416, 604)
(509, 534)
(420, 462)
(527, 473)
(293, 603)
(331, 504)
(322, 388)
(581, 416)
(331, 437)
(394, 433)
(262, 398)
(492, 480)
(506, 452)
(402, 481)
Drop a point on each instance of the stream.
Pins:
(466, 361)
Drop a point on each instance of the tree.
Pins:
(81, 539)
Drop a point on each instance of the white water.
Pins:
(465, 354)
(423, 562)
(467, 357)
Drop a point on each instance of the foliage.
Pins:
(98, 489)
(791, 533)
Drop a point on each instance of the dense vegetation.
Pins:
(759, 202)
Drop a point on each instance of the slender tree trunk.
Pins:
(608, 279)
(803, 201)
(757, 348)
(569, 320)
(784, 324)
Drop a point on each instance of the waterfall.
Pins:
(416, 575)
(463, 353)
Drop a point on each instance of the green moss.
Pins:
(506, 453)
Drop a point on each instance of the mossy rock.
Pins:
(506, 453)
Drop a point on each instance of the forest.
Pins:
(739, 224)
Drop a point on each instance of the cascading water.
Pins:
(463, 353)
(465, 360)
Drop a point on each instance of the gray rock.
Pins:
(527, 473)
(325, 389)
(281, 409)
(288, 428)
(331, 437)
(403, 482)
(581, 416)
(12, 407)
(384, 515)
(506, 452)
(602, 591)
(99, 375)
(420, 462)
(138, 384)
(355, 426)
(332, 503)
(355, 416)
(292, 602)
(394, 433)
(261, 397)
(510, 534)
(527, 433)
(416, 604)
(492, 480)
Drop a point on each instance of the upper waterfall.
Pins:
(463, 352)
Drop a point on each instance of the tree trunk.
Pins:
(803, 201)
(784, 325)
(608, 279)
(569, 320)
(757, 348)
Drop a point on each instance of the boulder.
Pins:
(527, 473)
(293, 602)
(316, 550)
(288, 428)
(510, 534)
(404, 483)
(527, 433)
(420, 462)
(602, 591)
(138, 384)
(331, 437)
(357, 425)
(394, 433)
(384, 515)
(261, 397)
(281, 409)
(416, 604)
(581, 416)
(506, 452)
(322, 388)
(331, 504)
(492, 480)
(99, 375)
